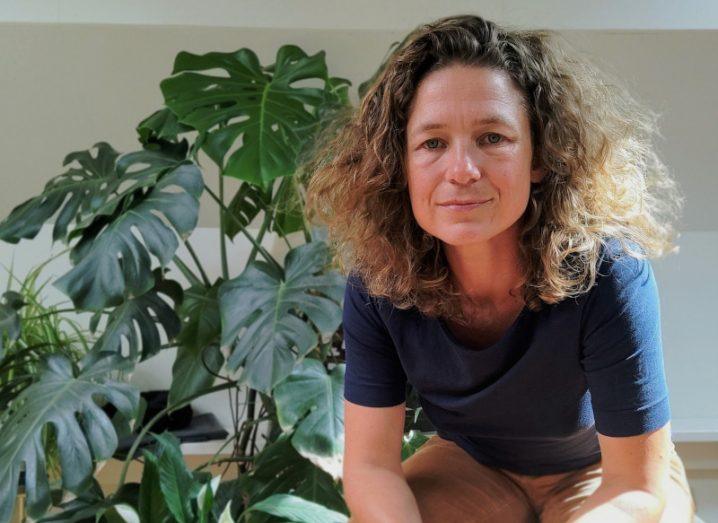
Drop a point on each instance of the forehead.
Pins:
(469, 91)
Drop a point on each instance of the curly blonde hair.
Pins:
(603, 178)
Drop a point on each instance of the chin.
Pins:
(466, 234)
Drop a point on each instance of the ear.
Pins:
(537, 174)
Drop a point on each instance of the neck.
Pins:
(485, 272)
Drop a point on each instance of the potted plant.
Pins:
(273, 331)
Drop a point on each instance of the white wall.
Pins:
(70, 81)
(369, 14)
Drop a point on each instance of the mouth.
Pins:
(464, 206)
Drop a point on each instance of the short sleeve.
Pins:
(374, 376)
(622, 354)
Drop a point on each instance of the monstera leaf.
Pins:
(95, 186)
(247, 203)
(148, 312)
(288, 208)
(84, 432)
(278, 468)
(161, 125)
(114, 264)
(265, 109)
(269, 305)
(198, 354)
(311, 399)
(91, 505)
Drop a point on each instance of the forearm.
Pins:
(618, 505)
(379, 495)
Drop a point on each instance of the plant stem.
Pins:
(155, 419)
(192, 253)
(261, 249)
(260, 236)
(232, 459)
(213, 460)
(247, 427)
(188, 273)
(222, 236)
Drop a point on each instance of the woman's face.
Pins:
(468, 139)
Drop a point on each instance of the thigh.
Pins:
(568, 494)
(451, 486)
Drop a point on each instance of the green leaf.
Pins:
(295, 508)
(94, 186)
(246, 204)
(229, 494)
(205, 499)
(88, 186)
(265, 110)
(412, 442)
(176, 481)
(288, 208)
(9, 318)
(198, 343)
(122, 513)
(161, 125)
(226, 516)
(268, 304)
(279, 468)
(83, 508)
(148, 312)
(113, 264)
(91, 506)
(312, 401)
(152, 506)
(58, 397)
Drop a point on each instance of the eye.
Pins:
(492, 139)
(494, 135)
(430, 140)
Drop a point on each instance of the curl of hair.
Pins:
(595, 142)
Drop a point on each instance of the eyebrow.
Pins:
(492, 119)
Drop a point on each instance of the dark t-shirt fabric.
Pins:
(533, 402)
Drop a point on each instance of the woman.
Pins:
(494, 202)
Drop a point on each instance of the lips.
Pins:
(464, 207)
(456, 203)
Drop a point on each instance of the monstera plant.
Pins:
(271, 331)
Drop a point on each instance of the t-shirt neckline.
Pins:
(507, 334)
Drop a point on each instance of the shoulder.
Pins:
(625, 286)
(618, 269)
(617, 261)
(358, 300)
(356, 288)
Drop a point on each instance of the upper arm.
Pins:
(622, 353)
(374, 375)
(374, 386)
(622, 359)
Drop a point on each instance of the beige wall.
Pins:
(65, 87)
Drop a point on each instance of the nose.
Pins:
(463, 167)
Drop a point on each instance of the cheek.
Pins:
(420, 184)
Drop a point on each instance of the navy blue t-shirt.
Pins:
(533, 401)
